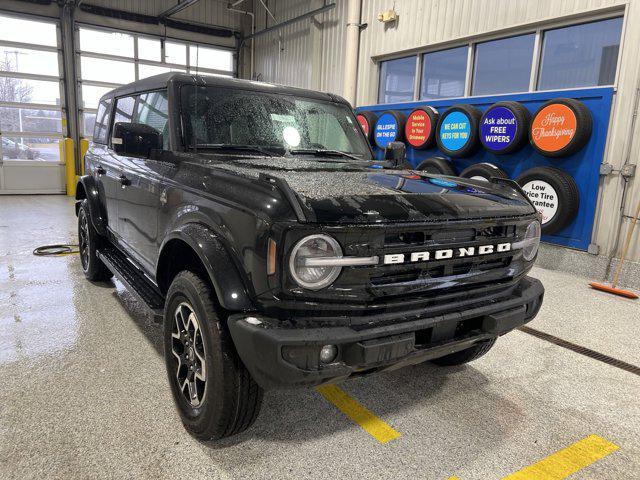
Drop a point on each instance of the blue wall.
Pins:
(583, 166)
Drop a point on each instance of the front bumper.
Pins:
(281, 356)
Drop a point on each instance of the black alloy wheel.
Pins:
(83, 238)
(89, 241)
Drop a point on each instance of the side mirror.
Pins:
(135, 139)
(396, 152)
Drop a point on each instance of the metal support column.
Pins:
(67, 28)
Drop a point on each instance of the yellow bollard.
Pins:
(70, 166)
(84, 146)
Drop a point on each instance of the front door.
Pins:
(141, 179)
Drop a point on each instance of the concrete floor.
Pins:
(83, 392)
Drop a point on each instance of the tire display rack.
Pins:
(583, 166)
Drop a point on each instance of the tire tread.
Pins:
(242, 396)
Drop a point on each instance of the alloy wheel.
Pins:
(187, 347)
(83, 233)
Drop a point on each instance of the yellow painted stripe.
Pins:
(567, 461)
(373, 425)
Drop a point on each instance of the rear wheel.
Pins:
(89, 240)
(215, 395)
(465, 356)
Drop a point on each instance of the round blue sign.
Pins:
(498, 128)
(386, 130)
(455, 131)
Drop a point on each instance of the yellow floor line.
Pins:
(373, 425)
(567, 461)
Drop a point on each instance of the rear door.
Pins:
(139, 194)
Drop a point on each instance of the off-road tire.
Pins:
(465, 356)
(232, 399)
(92, 266)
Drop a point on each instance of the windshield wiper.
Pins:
(325, 153)
(236, 148)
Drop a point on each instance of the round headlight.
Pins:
(307, 275)
(531, 241)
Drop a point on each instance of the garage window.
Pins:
(580, 56)
(28, 31)
(31, 107)
(111, 58)
(397, 79)
(210, 58)
(503, 66)
(106, 41)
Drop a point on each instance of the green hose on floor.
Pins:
(56, 250)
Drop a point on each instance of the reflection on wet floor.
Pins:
(84, 392)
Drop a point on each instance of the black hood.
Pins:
(354, 192)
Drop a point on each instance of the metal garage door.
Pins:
(31, 106)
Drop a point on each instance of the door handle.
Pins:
(124, 181)
(100, 170)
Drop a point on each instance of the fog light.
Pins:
(328, 353)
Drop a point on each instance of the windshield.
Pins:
(217, 117)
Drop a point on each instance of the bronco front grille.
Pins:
(428, 283)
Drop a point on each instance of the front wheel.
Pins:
(215, 395)
(467, 355)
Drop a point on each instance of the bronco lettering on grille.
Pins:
(446, 253)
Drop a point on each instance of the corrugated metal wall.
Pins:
(289, 56)
(297, 44)
(424, 23)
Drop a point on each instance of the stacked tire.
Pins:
(554, 193)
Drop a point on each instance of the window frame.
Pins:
(420, 75)
(540, 52)
(537, 28)
(416, 75)
(534, 54)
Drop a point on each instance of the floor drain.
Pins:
(587, 352)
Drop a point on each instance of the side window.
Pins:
(124, 109)
(102, 122)
(153, 110)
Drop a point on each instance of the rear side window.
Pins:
(102, 122)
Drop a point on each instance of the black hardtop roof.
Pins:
(164, 79)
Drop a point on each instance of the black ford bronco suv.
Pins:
(255, 220)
